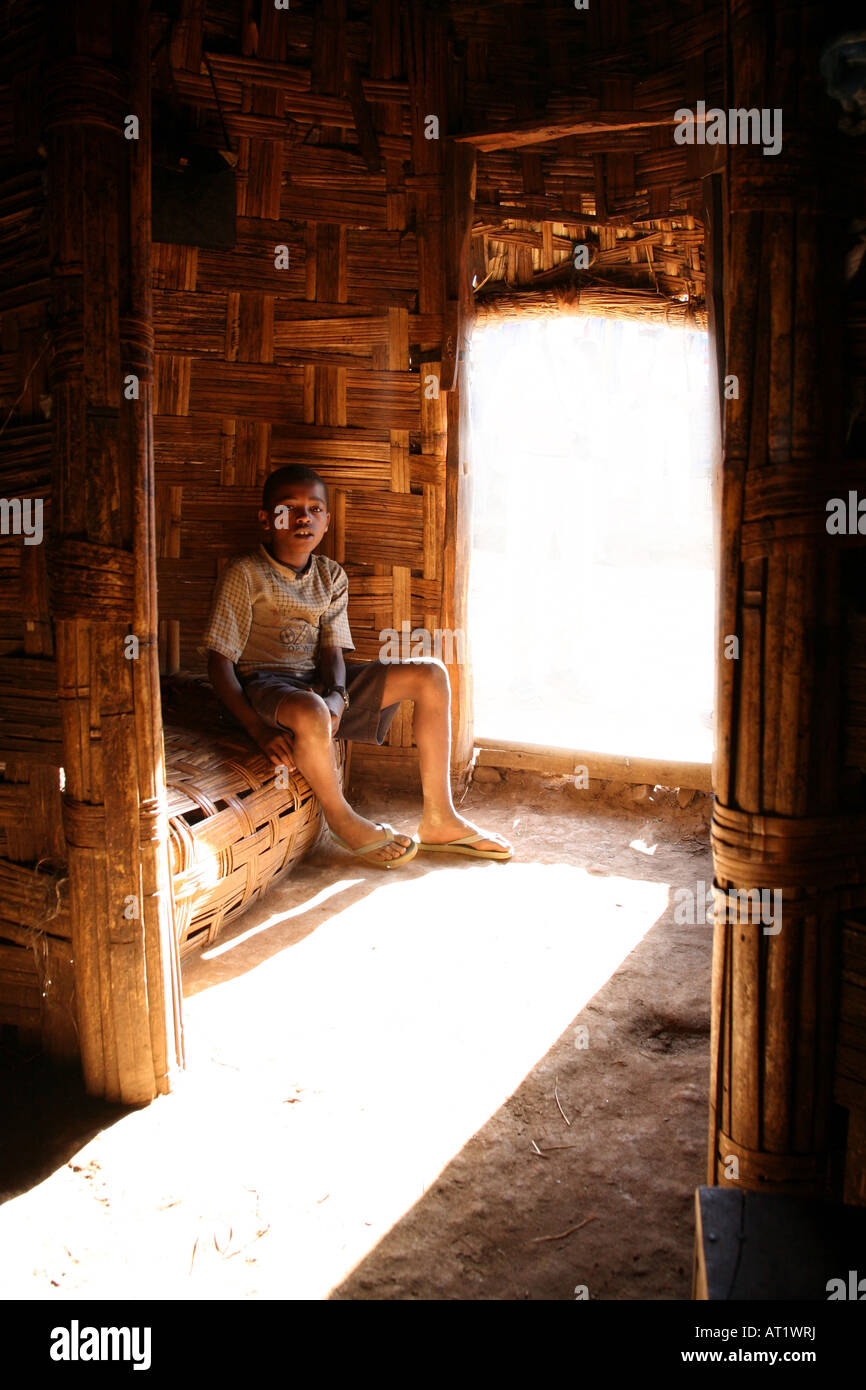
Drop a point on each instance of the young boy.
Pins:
(275, 638)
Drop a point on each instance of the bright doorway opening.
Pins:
(591, 583)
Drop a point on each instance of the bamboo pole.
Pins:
(739, 318)
(104, 568)
(774, 1005)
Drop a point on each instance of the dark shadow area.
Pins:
(47, 1116)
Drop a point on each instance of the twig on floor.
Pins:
(548, 1148)
(241, 1248)
(537, 1149)
(216, 1245)
(556, 1098)
(536, 1240)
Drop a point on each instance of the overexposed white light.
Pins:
(592, 563)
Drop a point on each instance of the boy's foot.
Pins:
(444, 832)
(355, 831)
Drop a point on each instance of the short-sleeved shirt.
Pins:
(266, 617)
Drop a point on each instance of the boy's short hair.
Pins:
(291, 473)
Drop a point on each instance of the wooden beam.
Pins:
(518, 133)
(609, 300)
(604, 767)
(542, 210)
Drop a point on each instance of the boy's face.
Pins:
(297, 521)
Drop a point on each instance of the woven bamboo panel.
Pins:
(37, 991)
(233, 831)
(33, 900)
(311, 354)
(20, 988)
(29, 712)
(30, 809)
(639, 192)
(662, 257)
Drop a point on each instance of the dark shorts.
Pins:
(365, 721)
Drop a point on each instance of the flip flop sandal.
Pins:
(389, 838)
(466, 846)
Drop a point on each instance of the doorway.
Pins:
(592, 549)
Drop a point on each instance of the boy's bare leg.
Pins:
(426, 682)
(309, 720)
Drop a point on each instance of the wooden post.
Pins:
(103, 592)
(778, 756)
(460, 167)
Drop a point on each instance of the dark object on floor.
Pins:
(750, 1245)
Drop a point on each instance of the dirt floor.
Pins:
(375, 1061)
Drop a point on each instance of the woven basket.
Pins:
(233, 831)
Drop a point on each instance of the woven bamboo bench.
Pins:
(233, 831)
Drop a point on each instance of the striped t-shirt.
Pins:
(265, 617)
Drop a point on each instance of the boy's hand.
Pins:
(276, 744)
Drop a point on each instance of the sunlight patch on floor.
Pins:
(328, 1087)
(233, 943)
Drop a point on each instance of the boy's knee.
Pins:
(305, 713)
(431, 674)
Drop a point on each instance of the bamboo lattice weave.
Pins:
(20, 987)
(34, 900)
(232, 831)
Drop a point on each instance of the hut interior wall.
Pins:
(319, 337)
(35, 927)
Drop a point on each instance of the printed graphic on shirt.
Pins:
(299, 638)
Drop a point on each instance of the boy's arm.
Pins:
(332, 671)
(335, 636)
(275, 743)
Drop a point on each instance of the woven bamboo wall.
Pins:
(324, 362)
(32, 846)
